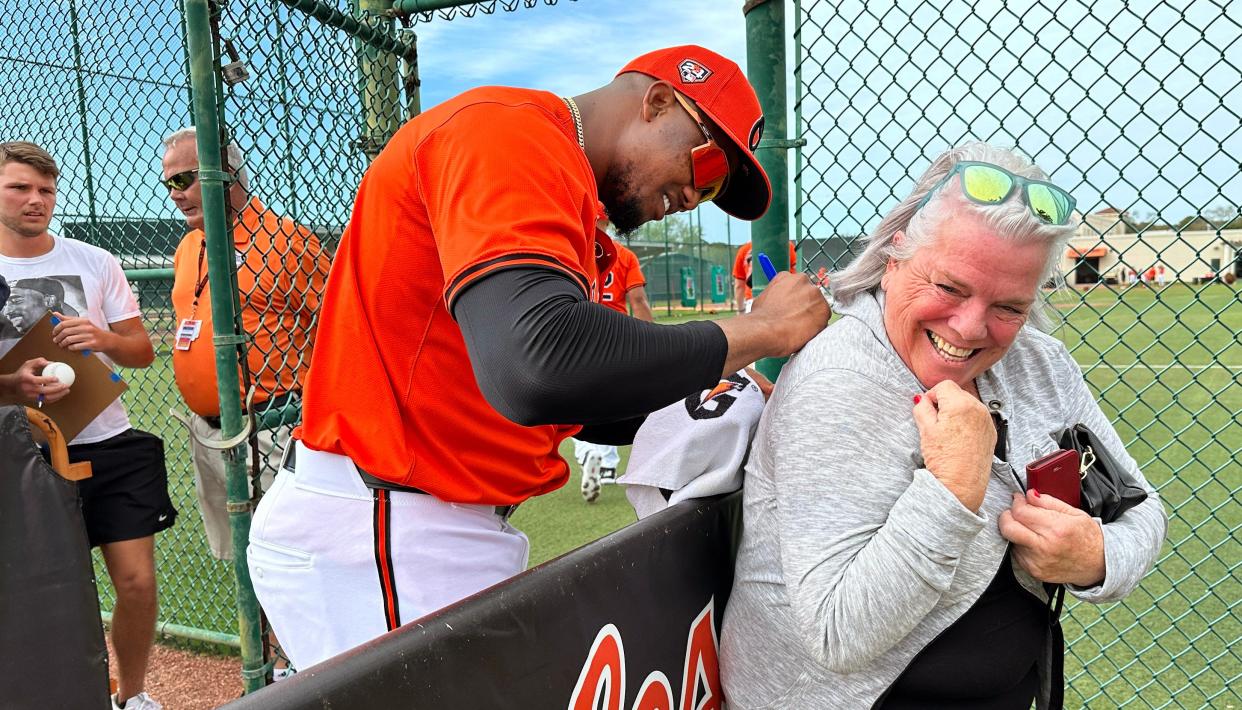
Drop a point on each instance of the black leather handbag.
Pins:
(1107, 490)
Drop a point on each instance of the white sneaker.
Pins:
(141, 701)
(279, 674)
(590, 477)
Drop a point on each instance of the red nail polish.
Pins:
(1034, 492)
(917, 398)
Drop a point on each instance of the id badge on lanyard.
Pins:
(189, 329)
(187, 333)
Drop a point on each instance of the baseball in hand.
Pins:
(61, 371)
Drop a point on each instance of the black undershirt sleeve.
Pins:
(542, 353)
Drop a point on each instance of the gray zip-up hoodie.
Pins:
(854, 557)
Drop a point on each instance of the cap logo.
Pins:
(756, 133)
(693, 72)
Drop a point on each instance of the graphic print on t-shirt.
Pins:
(30, 298)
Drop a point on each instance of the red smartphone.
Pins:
(1056, 475)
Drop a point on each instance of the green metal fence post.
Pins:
(372, 31)
(765, 67)
(378, 86)
(737, 307)
(410, 7)
(224, 307)
(668, 272)
(797, 76)
(699, 235)
(413, 83)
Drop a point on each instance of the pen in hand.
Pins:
(768, 269)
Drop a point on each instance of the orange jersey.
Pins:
(280, 274)
(742, 267)
(619, 280)
(488, 180)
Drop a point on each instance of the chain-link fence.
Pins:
(311, 91)
(1135, 110)
(99, 85)
(686, 272)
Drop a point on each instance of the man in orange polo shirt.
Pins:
(461, 339)
(743, 272)
(281, 270)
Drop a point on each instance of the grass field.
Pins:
(1168, 368)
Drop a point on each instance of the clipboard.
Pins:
(94, 387)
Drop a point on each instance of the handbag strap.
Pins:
(1002, 435)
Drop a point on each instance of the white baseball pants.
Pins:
(608, 455)
(335, 563)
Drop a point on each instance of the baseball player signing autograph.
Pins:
(460, 340)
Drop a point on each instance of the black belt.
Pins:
(279, 400)
(376, 483)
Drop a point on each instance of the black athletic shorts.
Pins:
(126, 497)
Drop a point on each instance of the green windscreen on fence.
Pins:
(1134, 110)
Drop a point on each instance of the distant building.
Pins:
(1107, 248)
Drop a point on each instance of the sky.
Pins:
(1127, 105)
(1132, 106)
(573, 47)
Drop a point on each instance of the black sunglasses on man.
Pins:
(181, 181)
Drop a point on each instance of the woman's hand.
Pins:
(957, 440)
(1054, 541)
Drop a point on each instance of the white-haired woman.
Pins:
(892, 556)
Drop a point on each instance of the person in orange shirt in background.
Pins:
(624, 288)
(742, 272)
(281, 270)
(621, 286)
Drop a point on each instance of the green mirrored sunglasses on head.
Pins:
(987, 184)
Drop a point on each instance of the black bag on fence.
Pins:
(1107, 490)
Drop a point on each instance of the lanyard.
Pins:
(200, 277)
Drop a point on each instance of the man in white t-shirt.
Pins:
(125, 501)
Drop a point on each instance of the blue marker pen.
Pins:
(768, 269)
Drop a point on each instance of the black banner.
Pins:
(52, 652)
(629, 622)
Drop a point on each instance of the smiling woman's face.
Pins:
(956, 306)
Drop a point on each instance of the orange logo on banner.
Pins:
(603, 673)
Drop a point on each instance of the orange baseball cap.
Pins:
(720, 89)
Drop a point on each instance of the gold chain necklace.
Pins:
(573, 110)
